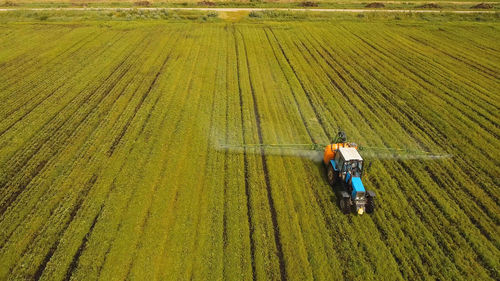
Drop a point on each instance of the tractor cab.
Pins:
(349, 161)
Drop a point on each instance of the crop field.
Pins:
(111, 166)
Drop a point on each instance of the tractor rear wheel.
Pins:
(331, 175)
(344, 206)
(370, 205)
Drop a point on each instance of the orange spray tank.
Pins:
(331, 149)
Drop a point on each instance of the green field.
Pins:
(110, 166)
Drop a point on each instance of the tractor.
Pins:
(343, 164)
(344, 169)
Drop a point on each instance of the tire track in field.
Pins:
(148, 212)
(309, 94)
(82, 102)
(226, 166)
(207, 159)
(176, 126)
(439, 182)
(78, 126)
(306, 92)
(81, 197)
(41, 165)
(341, 89)
(274, 216)
(245, 158)
(482, 72)
(120, 225)
(174, 199)
(436, 211)
(137, 107)
(429, 82)
(439, 239)
(443, 138)
(109, 192)
(52, 93)
(147, 217)
(294, 95)
(462, 101)
(21, 58)
(12, 196)
(76, 258)
(140, 132)
(357, 82)
(95, 128)
(459, 104)
(472, 171)
(347, 97)
(328, 222)
(226, 183)
(450, 35)
(441, 244)
(429, 42)
(113, 185)
(423, 79)
(412, 120)
(375, 223)
(34, 67)
(82, 120)
(47, 79)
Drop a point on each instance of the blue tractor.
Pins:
(344, 169)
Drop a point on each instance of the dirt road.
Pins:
(259, 9)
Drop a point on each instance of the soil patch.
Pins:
(142, 3)
(8, 4)
(309, 4)
(429, 6)
(482, 6)
(375, 5)
(206, 3)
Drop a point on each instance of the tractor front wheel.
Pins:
(331, 175)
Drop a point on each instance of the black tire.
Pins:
(370, 205)
(331, 175)
(344, 206)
